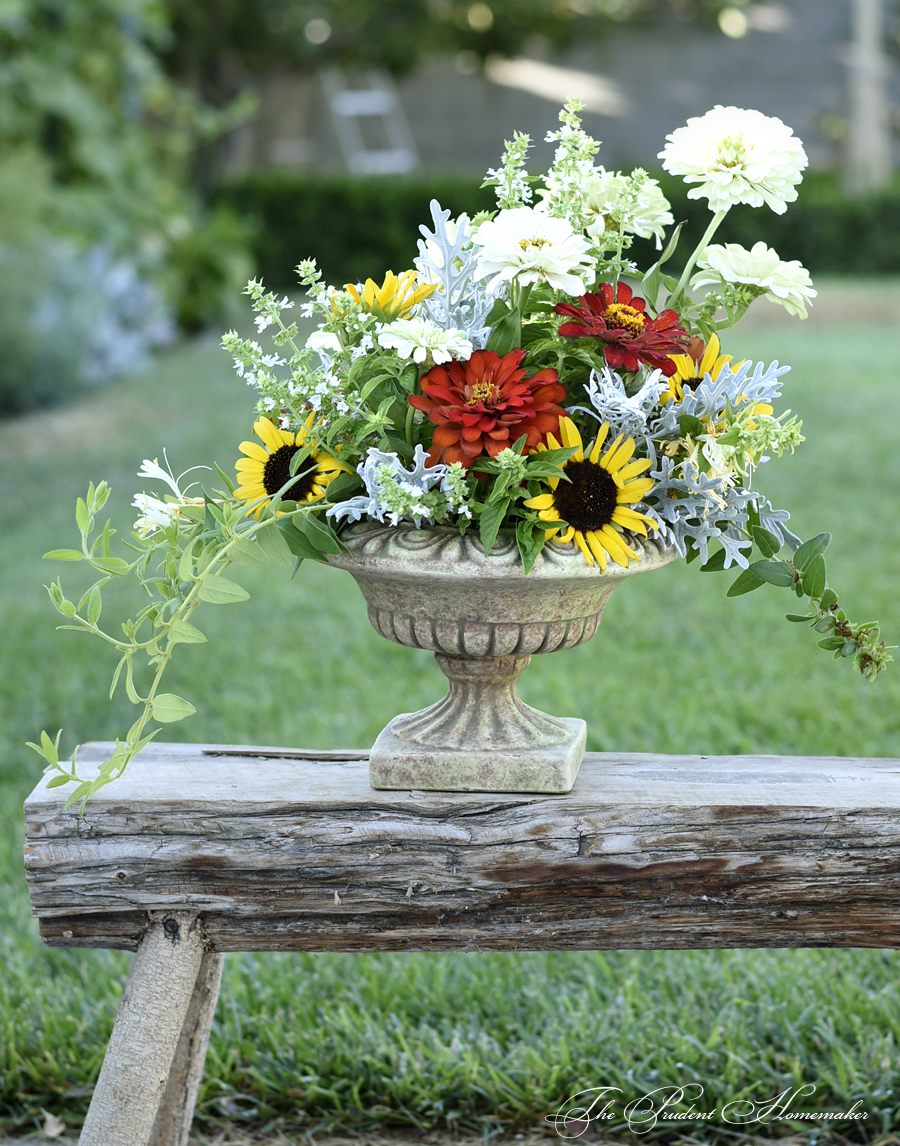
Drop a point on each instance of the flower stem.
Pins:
(677, 294)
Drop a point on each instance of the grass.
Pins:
(469, 1040)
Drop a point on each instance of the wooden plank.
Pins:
(651, 851)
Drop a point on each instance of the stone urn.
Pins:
(432, 588)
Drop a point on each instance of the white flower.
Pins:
(155, 471)
(155, 514)
(532, 247)
(610, 195)
(737, 156)
(424, 341)
(325, 340)
(787, 283)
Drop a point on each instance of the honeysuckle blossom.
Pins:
(530, 246)
(787, 283)
(424, 341)
(737, 156)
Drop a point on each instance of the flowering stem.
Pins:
(677, 294)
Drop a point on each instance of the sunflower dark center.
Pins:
(588, 501)
(277, 471)
(691, 383)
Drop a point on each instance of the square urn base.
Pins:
(403, 764)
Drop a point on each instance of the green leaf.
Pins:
(774, 573)
(167, 708)
(116, 675)
(530, 538)
(114, 565)
(64, 555)
(229, 484)
(182, 633)
(130, 691)
(689, 425)
(828, 599)
(186, 563)
(82, 790)
(813, 577)
(58, 781)
(319, 533)
(849, 648)
(745, 583)
(220, 591)
(831, 643)
(489, 523)
(343, 486)
(798, 618)
(714, 564)
(507, 334)
(244, 552)
(271, 541)
(82, 516)
(94, 605)
(297, 541)
(213, 509)
(767, 542)
(810, 549)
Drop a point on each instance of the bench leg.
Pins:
(166, 1008)
(176, 1112)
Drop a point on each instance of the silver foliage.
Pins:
(460, 302)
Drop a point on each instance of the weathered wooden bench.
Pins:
(202, 850)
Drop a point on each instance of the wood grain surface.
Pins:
(285, 850)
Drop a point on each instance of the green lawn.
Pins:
(474, 1039)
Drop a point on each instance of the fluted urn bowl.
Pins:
(483, 618)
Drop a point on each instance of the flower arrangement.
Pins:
(525, 375)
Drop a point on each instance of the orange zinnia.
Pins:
(486, 404)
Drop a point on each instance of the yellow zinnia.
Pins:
(265, 468)
(692, 371)
(596, 498)
(395, 298)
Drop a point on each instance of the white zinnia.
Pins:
(608, 194)
(787, 283)
(424, 341)
(532, 247)
(737, 156)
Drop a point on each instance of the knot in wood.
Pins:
(170, 926)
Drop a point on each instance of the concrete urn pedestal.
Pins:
(431, 588)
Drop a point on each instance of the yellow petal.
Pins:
(633, 469)
(542, 501)
(566, 537)
(254, 450)
(635, 490)
(708, 361)
(250, 492)
(269, 434)
(630, 519)
(617, 455)
(616, 547)
(568, 431)
(597, 549)
(582, 545)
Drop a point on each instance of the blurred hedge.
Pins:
(358, 228)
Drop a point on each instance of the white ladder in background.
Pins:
(378, 100)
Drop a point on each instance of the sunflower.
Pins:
(266, 468)
(596, 496)
(395, 298)
(700, 359)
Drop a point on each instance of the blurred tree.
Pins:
(95, 135)
(216, 43)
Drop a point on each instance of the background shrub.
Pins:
(359, 228)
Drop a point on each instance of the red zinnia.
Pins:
(617, 319)
(486, 404)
